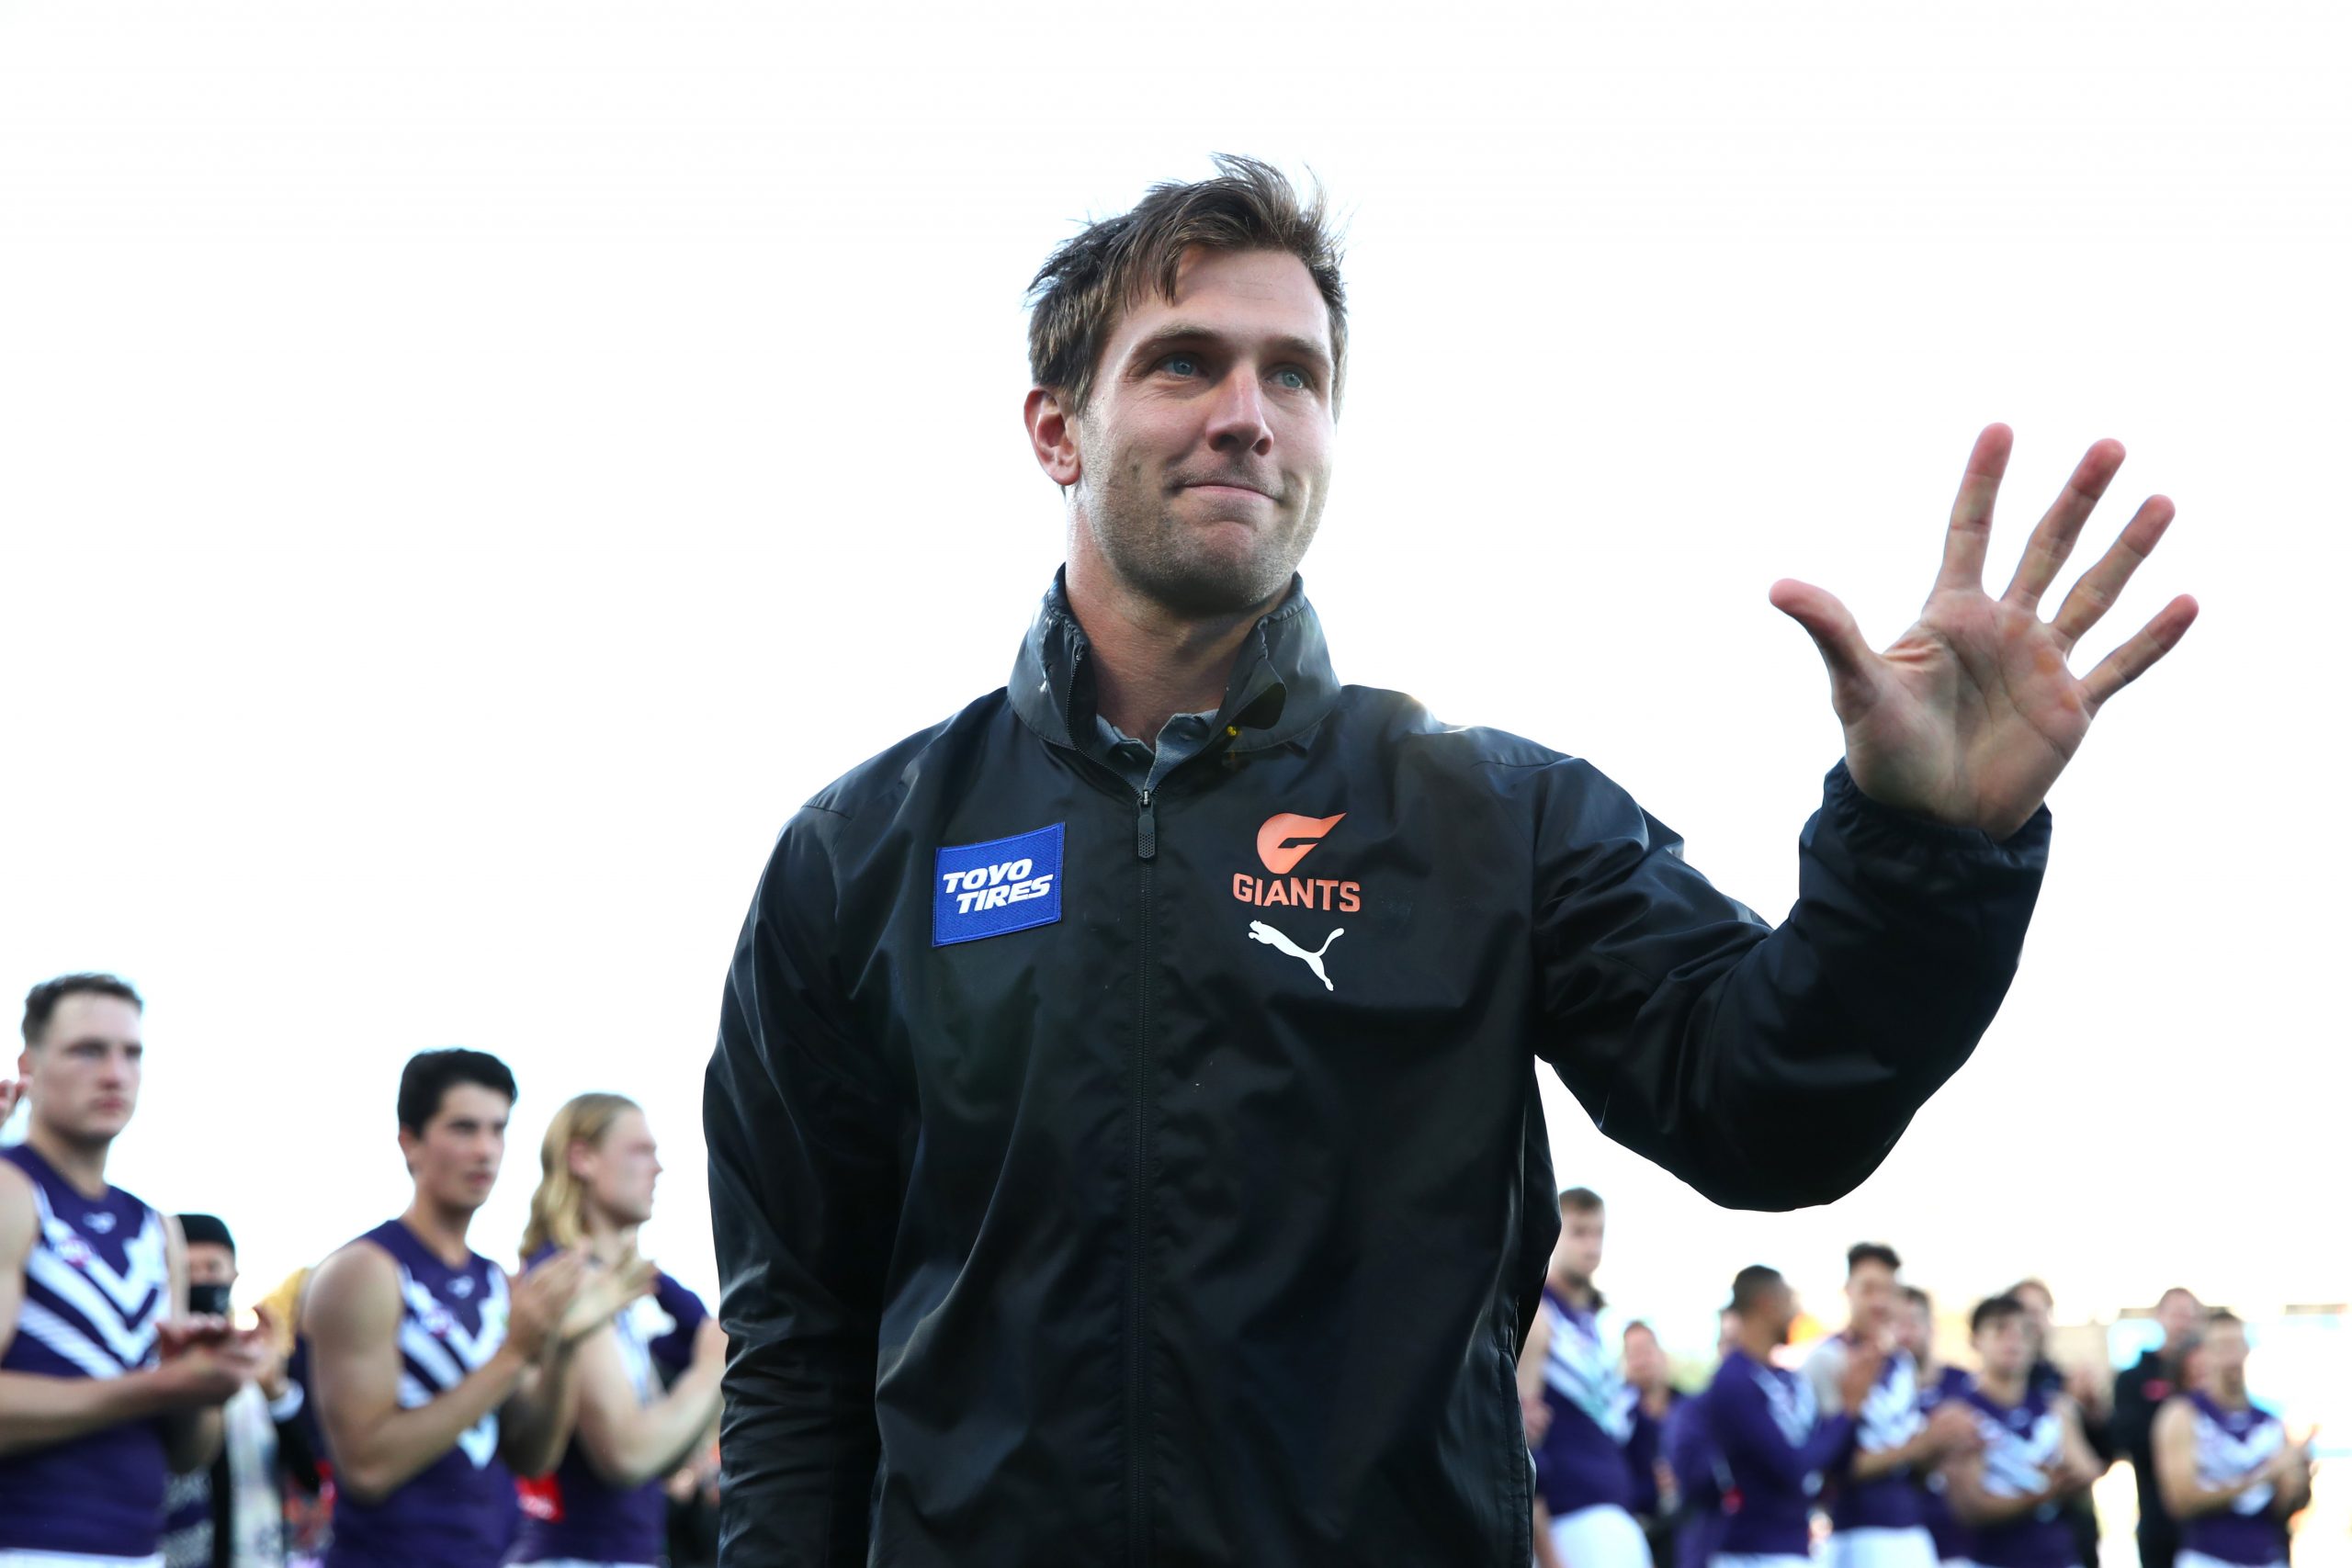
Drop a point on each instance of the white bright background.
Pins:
(469, 470)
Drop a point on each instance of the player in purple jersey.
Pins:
(2011, 1493)
(432, 1371)
(1875, 1516)
(1582, 1410)
(1776, 1440)
(1698, 1467)
(1939, 1385)
(604, 1507)
(2229, 1476)
(106, 1384)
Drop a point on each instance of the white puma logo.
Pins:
(1261, 931)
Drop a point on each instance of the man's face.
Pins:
(1726, 1333)
(82, 1077)
(2223, 1356)
(2006, 1345)
(1871, 1295)
(1576, 1255)
(455, 1159)
(1915, 1329)
(2178, 1313)
(621, 1169)
(2038, 1307)
(1778, 1311)
(1645, 1362)
(209, 1263)
(1204, 452)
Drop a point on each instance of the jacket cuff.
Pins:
(1872, 826)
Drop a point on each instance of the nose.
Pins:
(1238, 417)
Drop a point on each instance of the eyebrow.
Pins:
(1177, 333)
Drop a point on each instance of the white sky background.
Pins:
(467, 471)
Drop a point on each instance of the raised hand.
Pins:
(537, 1303)
(604, 1294)
(1968, 718)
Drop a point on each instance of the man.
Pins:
(1655, 1498)
(107, 1385)
(1776, 1439)
(2140, 1391)
(230, 1514)
(1939, 1385)
(1123, 1116)
(2226, 1469)
(433, 1372)
(1876, 1520)
(2010, 1491)
(1584, 1486)
(604, 1504)
(2087, 1391)
(1697, 1465)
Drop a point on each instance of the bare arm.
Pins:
(1532, 1357)
(191, 1433)
(352, 1314)
(1546, 1554)
(629, 1444)
(38, 1412)
(538, 1417)
(1965, 1485)
(2174, 1442)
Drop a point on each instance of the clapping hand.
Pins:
(604, 1293)
(1968, 718)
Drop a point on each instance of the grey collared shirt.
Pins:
(1144, 766)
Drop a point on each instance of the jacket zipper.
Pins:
(1138, 1226)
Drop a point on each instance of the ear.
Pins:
(1052, 435)
(580, 1159)
(409, 1143)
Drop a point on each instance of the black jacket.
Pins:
(2140, 1390)
(1129, 1235)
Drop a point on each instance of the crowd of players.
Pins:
(453, 1412)
(1908, 1461)
(450, 1411)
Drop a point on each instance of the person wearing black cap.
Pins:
(230, 1514)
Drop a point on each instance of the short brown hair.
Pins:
(1098, 272)
(40, 1002)
(1580, 1201)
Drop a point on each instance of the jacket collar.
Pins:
(1281, 683)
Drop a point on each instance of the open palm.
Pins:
(1969, 716)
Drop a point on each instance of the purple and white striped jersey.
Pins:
(460, 1511)
(2231, 1444)
(1890, 1418)
(1581, 1462)
(1953, 1541)
(97, 1282)
(2022, 1441)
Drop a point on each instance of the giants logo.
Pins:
(1285, 839)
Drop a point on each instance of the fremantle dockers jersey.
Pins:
(1890, 1418)
(1953, 1541)
(2021, 1442)
(2231, 1444)
(460, 1511)
(573, 1514)
(1581, 1462)
(97, 1283)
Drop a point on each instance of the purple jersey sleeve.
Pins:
(675, 1349)
(1743, 1423)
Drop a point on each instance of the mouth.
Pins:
(1223, 489)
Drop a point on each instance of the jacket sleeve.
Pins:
(804, 1195)
(1769, 1068)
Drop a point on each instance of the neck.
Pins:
(1580, 1293)
(1656, 1395)
(2002, 1388)
(608, 1240)
(1759, 1340)
(1151, 662)
(82, 1165)
(2229, 1392)
(441, 1228)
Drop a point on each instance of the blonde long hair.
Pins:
(559, 1202)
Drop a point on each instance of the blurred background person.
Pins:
(2140, 1390)
(2090, 1390)
(1692, 1455)
(605, 1501)
(2227, 1470)
(109, 1384)
(1775, 1438)
(1655, 1491)
(2010, 1492)
(231, 1513)
(1578, 1400)
(1939, 1385)
(1876, 1519)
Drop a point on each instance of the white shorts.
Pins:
(74, 1560)
(1603, 1535)
(1912, 1548)
(2202, 1560)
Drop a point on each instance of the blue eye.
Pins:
(1182, 364)
(1295, 379)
